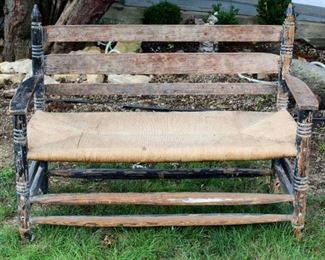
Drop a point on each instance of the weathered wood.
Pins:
(158, 174)
(32, 170)
(161, 220)
(22, 177)
(301, 170)
(284, 180)
(162, 198)
(163, 33)
(287, 41)
(38, 58)
(165, 89)
(162, 63)
(36, 183)
(286, 52)
(304, 97)
(22, 98)
(287, 166)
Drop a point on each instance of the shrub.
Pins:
(271, 11)
(162, 13)
(226, 17)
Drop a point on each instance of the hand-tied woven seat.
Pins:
(155, 137)
(161, 137)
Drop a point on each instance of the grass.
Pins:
(273, 241)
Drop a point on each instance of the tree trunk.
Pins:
(17, 21)
(17, 29)
(79, 12)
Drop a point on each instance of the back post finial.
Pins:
(290, 12)
(36, 14)
(38, 57)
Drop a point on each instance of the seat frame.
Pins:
(32, 177)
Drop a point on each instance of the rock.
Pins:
(20, 66)
(48, 80)
(127, 47)
(66, 77)
(131, 79)
(312, 75)
(9, 93)
(88, 49)
(95, 78)
(92, 49)
(8, 79)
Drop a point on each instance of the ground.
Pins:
(241, 242)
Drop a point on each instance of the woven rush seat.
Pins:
(160, 137)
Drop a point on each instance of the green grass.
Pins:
(274, 241)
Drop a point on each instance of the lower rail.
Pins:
(161, 198)
(159, 174)
(162, 220)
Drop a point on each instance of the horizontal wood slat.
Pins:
(165, 89)
(162, 198)
(163, 33)
(163, 63)
(161, 220)
(160, 174)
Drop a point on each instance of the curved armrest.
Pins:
(304, 97)
(20, 101)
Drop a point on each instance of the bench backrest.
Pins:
(169, 63)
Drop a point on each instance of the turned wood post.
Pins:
(286, 52)
(301, 169)
(22, 178)
(38, 70)
(38, 57)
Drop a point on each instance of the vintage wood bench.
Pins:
(162, 137)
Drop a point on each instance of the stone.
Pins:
(89, 50)
(131, 79)
(95, 78)
(312, 75)
(23, 66)
(66, 77)
(127, 47)
(8, 79)
(49, 80)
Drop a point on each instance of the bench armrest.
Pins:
(20, 101)
(304, 97)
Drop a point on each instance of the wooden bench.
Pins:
(162, 137)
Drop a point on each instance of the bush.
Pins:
(226, 17)
(162, 13)
(271, 11)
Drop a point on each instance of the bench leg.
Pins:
(301, 170)
(22, 175)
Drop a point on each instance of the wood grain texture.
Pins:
(161, 220)
(162, 198)
(163, 63)
(304, 97)
(159, 174)
(163, 33)
(164, 89)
